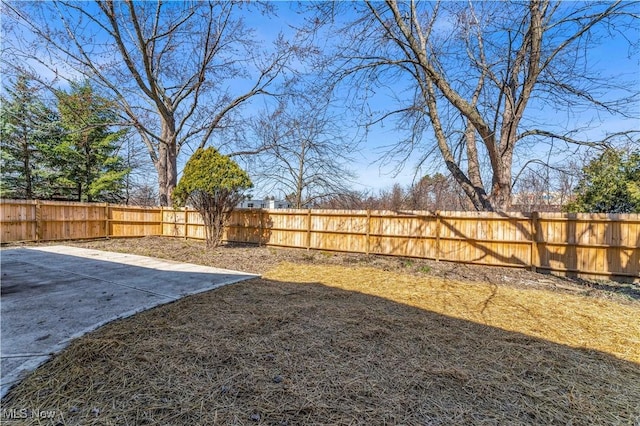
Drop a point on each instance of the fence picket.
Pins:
(588, 245)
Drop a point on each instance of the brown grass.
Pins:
(262, 259)
(329, 344)
(578, 321)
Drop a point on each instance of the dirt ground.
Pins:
(259, 260)
(335, 339)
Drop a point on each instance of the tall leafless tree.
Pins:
(479, 76)
(541, 187)
(177, 69)
(437, 192)
(308, 153)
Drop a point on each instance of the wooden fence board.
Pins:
(57, 220)
(131, 221)
(591, 245)
(173, 223)
(18, 221)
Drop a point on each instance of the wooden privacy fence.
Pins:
(589, 245)
(52, 221)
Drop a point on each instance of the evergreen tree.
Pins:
(610, 184)
(214, 184)
(86, 157)
(26, 126)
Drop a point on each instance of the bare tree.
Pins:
(177, 69)
(393, 198)
(479, 74)
(437, 192)
(566, 181)
(307, 153)
(540, 186)
(352, 200)
(534, 193)
(140, 186)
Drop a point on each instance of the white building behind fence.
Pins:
(264, 204)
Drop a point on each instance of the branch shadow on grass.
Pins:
(274, 352)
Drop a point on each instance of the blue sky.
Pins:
(611, 58)
(373, 173)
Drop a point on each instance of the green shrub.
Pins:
(214, 185)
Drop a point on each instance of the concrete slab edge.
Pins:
(28, 367)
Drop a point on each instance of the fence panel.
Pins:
(337, 230)
(18, 220)
(486, 238)
(248, 226)
(51, 221)
(589, 245)
(287, 227)
(194, 225)
(131, 221)
(411, 234)
(70, 221)
(174, 222)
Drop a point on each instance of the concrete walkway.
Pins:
(51, 295)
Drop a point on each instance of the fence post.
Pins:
(309, 229)
(368, 237)
(438, 226)
(186, 223)
(260, 231)
(534, 240)
(107, 212)
(162, 221)
(38, 221)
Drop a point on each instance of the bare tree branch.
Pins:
(483, 70)
(168, 64)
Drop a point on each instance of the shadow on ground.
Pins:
(51, 295)
(270, 352)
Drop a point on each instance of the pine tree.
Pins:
(26, 126)
(610, 184)
(87, 154)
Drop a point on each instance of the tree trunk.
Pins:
(300, 177)
(167, 164)
(161, 168)
(501, 195)
(167, 168)
(27, 173)
(172, 171)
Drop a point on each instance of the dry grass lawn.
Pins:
(338, 345)
(577, 321)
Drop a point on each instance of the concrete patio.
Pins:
(54, 294)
